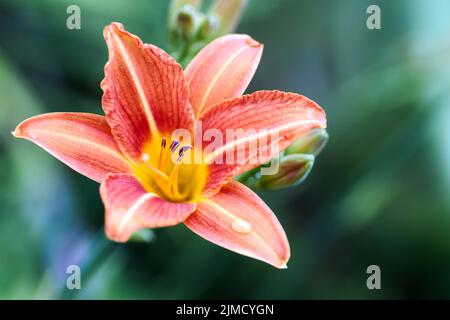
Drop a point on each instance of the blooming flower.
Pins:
(130, 150)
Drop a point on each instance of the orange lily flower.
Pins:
(147, 96)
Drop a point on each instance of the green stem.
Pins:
(101, 249)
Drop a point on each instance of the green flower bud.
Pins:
(189, 21)
(177, 5)
(208, 28)
(185, 21)
(312, 142)
(293, 170)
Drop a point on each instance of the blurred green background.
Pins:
(378, 194)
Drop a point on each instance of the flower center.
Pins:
(170, 171)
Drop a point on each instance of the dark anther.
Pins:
(182, 151)
(174, 145)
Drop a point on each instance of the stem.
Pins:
(101, 250)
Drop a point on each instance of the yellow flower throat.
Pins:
(169, 171)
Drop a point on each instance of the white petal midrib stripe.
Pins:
(210, 157)
(80, 140)
(137, 82)
(133, 209)
(216, 78)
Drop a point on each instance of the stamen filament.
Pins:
(165, 176)
(176, 169)
(174, 179)
(152, 170)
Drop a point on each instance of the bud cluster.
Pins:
(191, 28)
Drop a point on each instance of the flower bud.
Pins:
(208, 28)
(228, 13)
(293, 170)
(185, 21)
(189, 21)
(177, 5)
(312, 142)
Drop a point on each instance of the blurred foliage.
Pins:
(378, 194)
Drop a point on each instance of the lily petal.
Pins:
(144, 91)
(222, 70)
(129, 208)
(269, 122)
(238, 220)
(83, 141)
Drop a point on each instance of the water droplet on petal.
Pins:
(242, 226)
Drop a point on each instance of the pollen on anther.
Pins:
(184, 149)
(163, 143)
(174, 145)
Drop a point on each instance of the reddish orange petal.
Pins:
(83, 141)
(129, 208)
(237, 219)
(144, 91)
(264, 124)
(222, 70)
